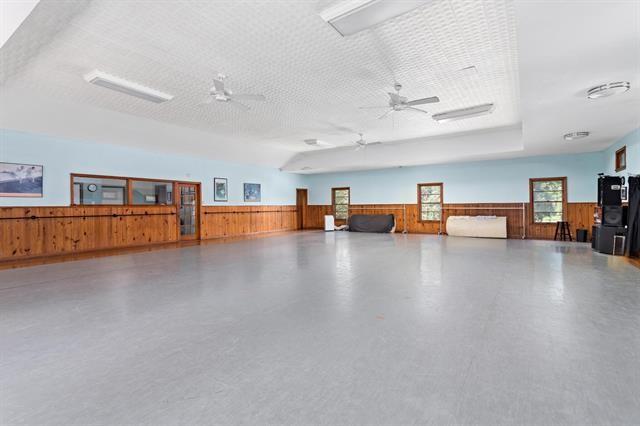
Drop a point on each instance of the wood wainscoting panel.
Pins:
(229, 221)
(579, 215)
(46, 231)
(314, 216)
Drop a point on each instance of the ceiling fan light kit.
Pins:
(130, 88)
(459, 114)
(352, 16)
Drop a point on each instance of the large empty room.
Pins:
(319, 212)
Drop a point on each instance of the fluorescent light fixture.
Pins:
(121, 85)
(352, 16)
(316, 142)
(575, 135)
(608, 89)
(459, 114)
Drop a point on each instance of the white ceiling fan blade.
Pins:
(359, 147)
(248, 97)
(385, 114)
(423, 101)
(417, 110)
(238, 105)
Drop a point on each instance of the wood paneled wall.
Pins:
(27, 232)
(579, 215)
(229, 221)
(43, 231)
(314, 216)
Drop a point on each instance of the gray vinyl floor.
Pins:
(315, 328)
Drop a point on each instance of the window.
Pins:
(149, 192)
(548, 199)
(341, 198)
(98, 190)
(430, 201)
(621, 159)
(116, 190)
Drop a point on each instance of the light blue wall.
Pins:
(632, 142)
(62, 157)
(483, 181)
(477, 182)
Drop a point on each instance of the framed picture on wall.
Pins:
(220, 189)
(252, 192)
(621, 159)
(21, 180)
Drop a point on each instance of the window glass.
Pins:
(548, 200)
(341, 203)
(147, 192)
(90, 191)
(430, 201)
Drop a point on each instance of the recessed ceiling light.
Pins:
(121, 85)
(576, 135)
(608, 89)
(459, 114)
(352, 16)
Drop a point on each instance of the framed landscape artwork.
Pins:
(20, 180)
(252, 192)
(220, 189)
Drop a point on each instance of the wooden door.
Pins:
(301, 205)
(188, 200)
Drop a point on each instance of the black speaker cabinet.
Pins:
(603, 238)
(609, 191)
(612, 216)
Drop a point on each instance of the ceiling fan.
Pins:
(220, 94)
(363, 144)
(401, 103)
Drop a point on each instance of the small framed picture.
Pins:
(20, 180)
(220, 189)
(623, 193)
(252, 192)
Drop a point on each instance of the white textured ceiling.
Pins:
(12, 13)
(315, 80)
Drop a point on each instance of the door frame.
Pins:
(177, 199)
(301, 208)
